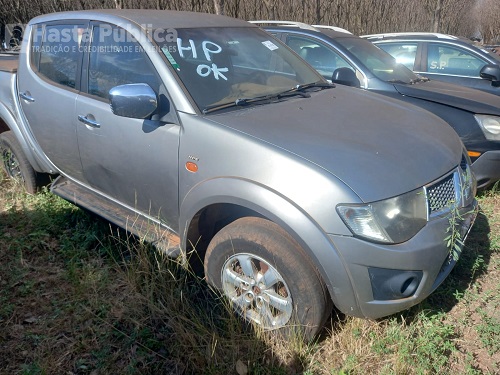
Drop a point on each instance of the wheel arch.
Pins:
(3, 126)
(215, 203)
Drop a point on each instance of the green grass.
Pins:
(80, 296)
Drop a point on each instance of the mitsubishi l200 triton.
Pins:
(190, 128)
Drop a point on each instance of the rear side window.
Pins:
(451, 60)
(117, 59)
(56, 53)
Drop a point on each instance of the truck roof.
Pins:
(149, 18)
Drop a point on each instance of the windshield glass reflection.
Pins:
(220, 65)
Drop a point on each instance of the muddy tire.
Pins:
(16, 165)
(268, 278)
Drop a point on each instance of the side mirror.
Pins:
(345, 76)
(137, 100)
(490, 72)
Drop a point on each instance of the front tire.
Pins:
(264, 272)
(16, 165)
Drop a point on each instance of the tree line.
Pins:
(466, 18)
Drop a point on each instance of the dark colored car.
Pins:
(350, 60)
(444, 57)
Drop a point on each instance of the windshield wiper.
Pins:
(238, 102)
(304, 87)
(321, 85)
(297, 90)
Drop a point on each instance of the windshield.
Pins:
(378, 62)
(219, 65)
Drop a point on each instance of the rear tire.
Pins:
(268, 278)
(16, 164)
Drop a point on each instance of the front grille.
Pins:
(442, 194)
(456, 189)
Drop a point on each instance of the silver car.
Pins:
(196, 130)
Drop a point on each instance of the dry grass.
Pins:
(79, 296)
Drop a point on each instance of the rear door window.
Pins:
(452, 60)
(56, 53)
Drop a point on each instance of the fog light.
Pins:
(393, 284)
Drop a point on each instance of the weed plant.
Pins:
(80, 296)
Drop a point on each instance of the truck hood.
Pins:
(452, 95)
(378, 146)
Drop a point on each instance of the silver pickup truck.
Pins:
(196, 130)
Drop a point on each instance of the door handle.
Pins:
(26, 97)
(88, 122)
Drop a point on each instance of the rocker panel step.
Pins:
(157, 234)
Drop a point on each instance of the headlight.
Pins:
(490, 125)
(392, 220)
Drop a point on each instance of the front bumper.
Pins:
(390, 278)
(486, 168)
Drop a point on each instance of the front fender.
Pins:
(285, 213)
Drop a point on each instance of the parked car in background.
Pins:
(192, 129)
(350, 60)
(495, 48)
(444, 57)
